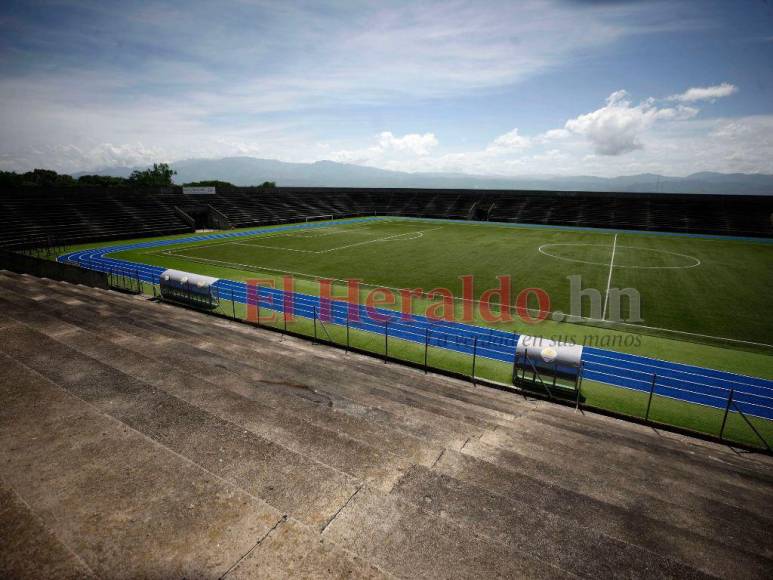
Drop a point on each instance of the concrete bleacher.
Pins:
(80, 214)
(713, 214)
(138, 439)
(86, 214)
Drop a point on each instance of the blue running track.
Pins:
(703, 386)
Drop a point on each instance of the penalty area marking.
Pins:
(172, 251)
(329, 231)
(393, 238)
(385, 239)
(408, 236)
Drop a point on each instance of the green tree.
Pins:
(35, 178)
(101, 180)
(10, 179)
(159, 174)
(268, 185)
(45, 178)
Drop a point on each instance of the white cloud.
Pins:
(553, 135)
(669, 140)
(276, 79)
(388, 149)
(705, 93)
(158, 80)
(617, 127)
(510, 140)
(412, 142)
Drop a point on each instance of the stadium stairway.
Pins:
(141, 439)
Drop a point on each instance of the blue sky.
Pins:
(540, 87)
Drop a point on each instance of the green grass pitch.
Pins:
(698, 289)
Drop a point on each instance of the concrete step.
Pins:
(403, 474)
(633, 525)
(148, 510)
(542, 534)
(194, 326)
(331, 447)
(347, 390)
(416, 390)
(317, 557)
(692, 457)
(292, 551)
(29, 548)
(638, 435)
(621, 494)
(623, 465)
(258, 466)
(546, 413)
(707, 516)
(564, 460)
(490, 404)
(412, 543)
(282, 398)
(489, 435)
(212, 366)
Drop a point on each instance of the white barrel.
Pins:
(546, 353)
(187, 282)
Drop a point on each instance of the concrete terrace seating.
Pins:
(716, 214)
(84, 214)
(142, 440)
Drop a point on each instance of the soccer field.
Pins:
(694, 288)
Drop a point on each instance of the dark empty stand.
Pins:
(80, 214)
(74, 215)
(688, 213)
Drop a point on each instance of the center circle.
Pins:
(669, 260)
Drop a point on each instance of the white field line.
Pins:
(225, 241)
(249, 267)
(329, 231)
(392, 237)
(276, 248)
(609, 279)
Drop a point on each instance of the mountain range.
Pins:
(253, 171)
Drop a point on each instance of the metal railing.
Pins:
(427, 346)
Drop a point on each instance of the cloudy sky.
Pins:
(531, 87)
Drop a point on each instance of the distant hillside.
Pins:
(252, 171)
